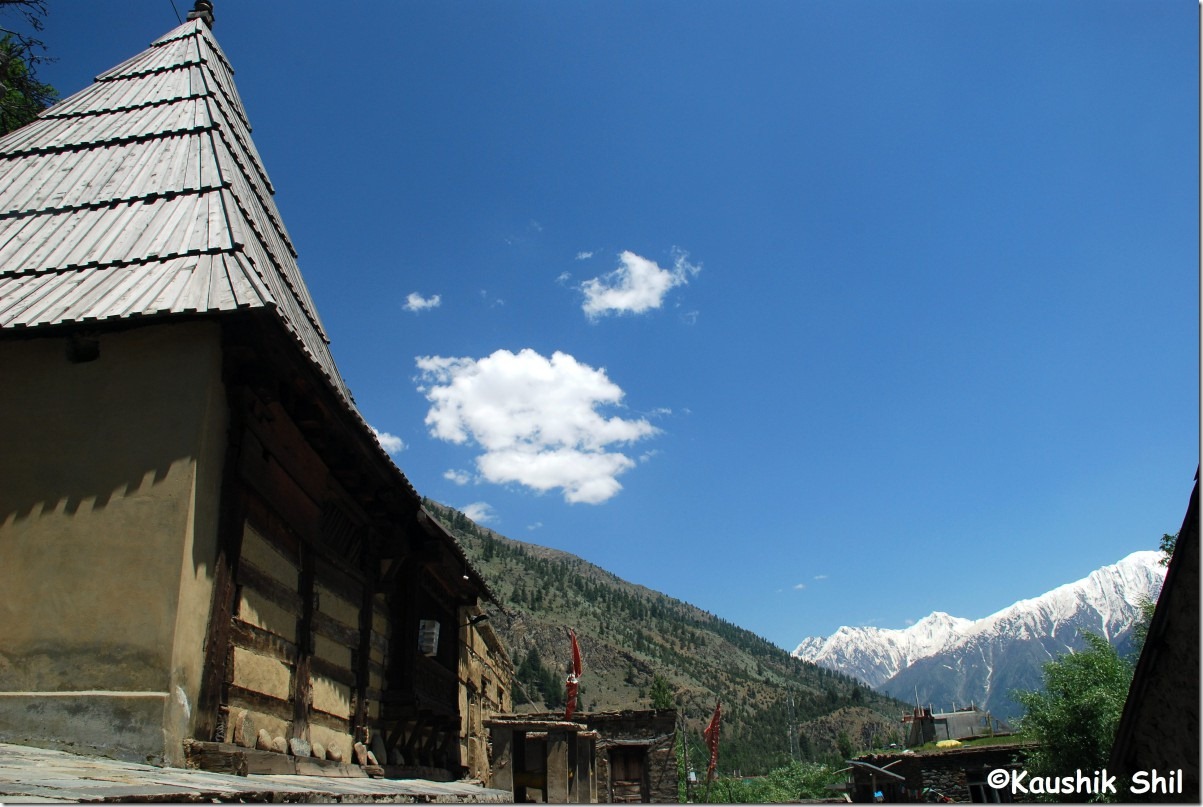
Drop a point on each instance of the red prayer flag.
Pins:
(574, 677)
(711, 736)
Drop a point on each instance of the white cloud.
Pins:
(820, 577)
(458, 477)
(637, 285)
(391, 443)
(416, 302)
(535, 419)
(799, 587)
(480, 512)
(538, 525)
(584, 255)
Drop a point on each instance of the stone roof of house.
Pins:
(142, 196)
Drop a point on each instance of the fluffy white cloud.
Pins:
(480, 512)
(800, 587)
(535, 419)
(637, 285)
(416, 302)
(391, 443)
(458, 477)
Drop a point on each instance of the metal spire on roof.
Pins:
(202, 10)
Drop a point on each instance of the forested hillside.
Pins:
(640, 645)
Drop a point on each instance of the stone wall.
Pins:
(486, 681)
(651, 734)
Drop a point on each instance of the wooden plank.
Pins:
(262, 642)
(336, 574)
(331, 628)
(281, 437)
(326, 720)
(268, 763)
(379, 645)
(269, 588)
(302, 680)
(312, 766)
(332, 670)
(290, 502)
(362, 658)
(249, 699)
(229, 542)
(268, 524)
(215, 757)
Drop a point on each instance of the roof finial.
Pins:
(202, 10)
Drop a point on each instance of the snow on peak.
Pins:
(1107, 600)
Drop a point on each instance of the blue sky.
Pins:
(808, 313)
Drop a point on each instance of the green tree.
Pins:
(843, 744)
(788, 784)
(1168, 542)
(1140, 628)
(662, 694)
(1075, 717)
(22, 96)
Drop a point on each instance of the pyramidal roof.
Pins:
(143, 196)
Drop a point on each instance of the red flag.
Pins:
(711, 736)
(574, 677)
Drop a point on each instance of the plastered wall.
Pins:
(111, 473)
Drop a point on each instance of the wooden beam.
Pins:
(209, 724)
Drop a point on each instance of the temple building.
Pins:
(201, 539)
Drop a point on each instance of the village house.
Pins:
(926, 726)
(200, 537)
(620, 757)
(942, 774)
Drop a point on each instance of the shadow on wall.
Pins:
(80, 435)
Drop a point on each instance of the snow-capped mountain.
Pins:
(875, 655)
(945, 660)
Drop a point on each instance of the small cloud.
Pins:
(647, 455)
(690, 317)
(799, 587)
(563, 278)
(536, 226)
(458, 477)
(636, 286)
(480, 512)
(391, 443)
(416, 302)
(584, 256)
(538, 525)
(820, 577)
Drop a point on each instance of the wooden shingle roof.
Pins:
(143, 196)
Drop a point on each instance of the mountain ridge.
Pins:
(983, 661)
(775, 707)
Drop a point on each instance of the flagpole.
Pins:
(711, 735)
